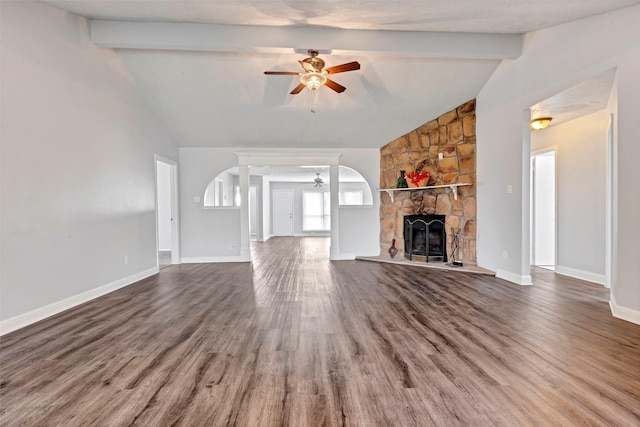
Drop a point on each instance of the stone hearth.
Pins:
(453, 135)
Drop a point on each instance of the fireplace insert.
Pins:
(424, 236)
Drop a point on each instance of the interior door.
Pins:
(283, 212)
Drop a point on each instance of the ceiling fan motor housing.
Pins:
(315, 62)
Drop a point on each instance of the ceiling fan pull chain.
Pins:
(314, 95)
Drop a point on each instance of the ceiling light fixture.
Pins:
(313, 80)
(540, 123)
(317, 182)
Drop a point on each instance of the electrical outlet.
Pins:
(126, 260)
(440, 156)
(505, 255)
(509, 189)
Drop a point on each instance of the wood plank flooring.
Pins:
(296, 340)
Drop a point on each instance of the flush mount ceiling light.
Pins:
(540, 123)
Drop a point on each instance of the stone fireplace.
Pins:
(445, 147)
(424, 237)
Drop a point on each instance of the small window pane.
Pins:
(316, 211)
(351, 197)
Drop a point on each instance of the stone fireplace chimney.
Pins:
(445, 147)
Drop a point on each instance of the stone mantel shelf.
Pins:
(454, 189)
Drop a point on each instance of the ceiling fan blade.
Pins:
(297, 89)
(282, 73)
(349, 66)
(335, 86)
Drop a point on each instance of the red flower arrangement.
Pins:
(416, 177)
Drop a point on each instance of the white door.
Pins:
(283, 212)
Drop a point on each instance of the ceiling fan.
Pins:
(315, 75)
(317, 181)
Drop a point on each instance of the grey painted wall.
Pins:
(78, 168)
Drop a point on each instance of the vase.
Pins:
(402, 181)
(393, 250)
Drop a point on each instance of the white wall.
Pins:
(625, 288)
(78, 168)
(581, 167)
(213, 233)
(367, 194)
(257, 223)
(267, 228)
(164, 206)
(209, 234)
(555, 59)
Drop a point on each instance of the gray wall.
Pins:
(555, 59)
(78, 172)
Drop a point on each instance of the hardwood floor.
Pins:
(297, 340)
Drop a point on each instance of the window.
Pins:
(316, 211)
(351, 197)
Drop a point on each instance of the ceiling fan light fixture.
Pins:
(313, 80)
(540, 123)
(317, 182)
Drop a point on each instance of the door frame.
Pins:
(175, 212)
(278, 158)
(554, 149)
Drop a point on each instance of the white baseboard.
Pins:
(514, 278)
(343, 257)
(624, 313)
(33, 316)
(210, 259)
(581, 274)
(265, 238)
(313, 234)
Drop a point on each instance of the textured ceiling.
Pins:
(220, 97)
(585, 98)
(487, 16)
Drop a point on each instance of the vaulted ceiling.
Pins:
(200, 63)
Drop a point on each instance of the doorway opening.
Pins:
(167, 240)
(543, 209)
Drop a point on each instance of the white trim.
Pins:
(514, 278)
(213, 259)
(551, 149)
(33, 316)
(311, 233)
(609, 191)
(175, 207)
(342, 257)
(276, 158)
(581, 274)
(265, 238)
(624, 313)
(208, 208)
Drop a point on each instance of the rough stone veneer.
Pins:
(454, 135)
